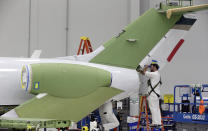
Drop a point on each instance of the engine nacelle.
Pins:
(62, 79)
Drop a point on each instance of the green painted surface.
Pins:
(148, 30)
(109, 42)
(74, 109)
(68, 80)
(25, 123)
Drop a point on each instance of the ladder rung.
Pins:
(143, 99)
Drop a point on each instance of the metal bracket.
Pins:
(131, 40)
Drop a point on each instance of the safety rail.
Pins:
(188, 86)
(191, 113)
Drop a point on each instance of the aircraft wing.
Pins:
(46, 106)
(180, 10)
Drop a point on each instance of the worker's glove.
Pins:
(139, 68)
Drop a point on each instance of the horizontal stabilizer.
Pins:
(180, 10)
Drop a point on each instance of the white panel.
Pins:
(14, 27)
(48, 27)
(97, 20)
(189, 66)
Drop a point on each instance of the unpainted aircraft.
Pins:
(69, 88)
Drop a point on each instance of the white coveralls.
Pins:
(108, 118)
(153, 99)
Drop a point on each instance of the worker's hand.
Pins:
(146, 66)
(142, 71)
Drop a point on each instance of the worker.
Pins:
(153, 94)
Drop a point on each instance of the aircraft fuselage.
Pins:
(10, 78)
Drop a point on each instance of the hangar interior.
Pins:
(55, 28)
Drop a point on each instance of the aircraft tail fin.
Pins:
(130, 47)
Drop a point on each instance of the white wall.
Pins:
(14, 27)
(48, 27)
(134, 10)
(144, 6)
(98, 20)
(27, 25)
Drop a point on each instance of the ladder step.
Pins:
(145, 121)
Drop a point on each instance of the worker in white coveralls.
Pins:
(153, 95)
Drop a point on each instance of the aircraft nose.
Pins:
(25, 77)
